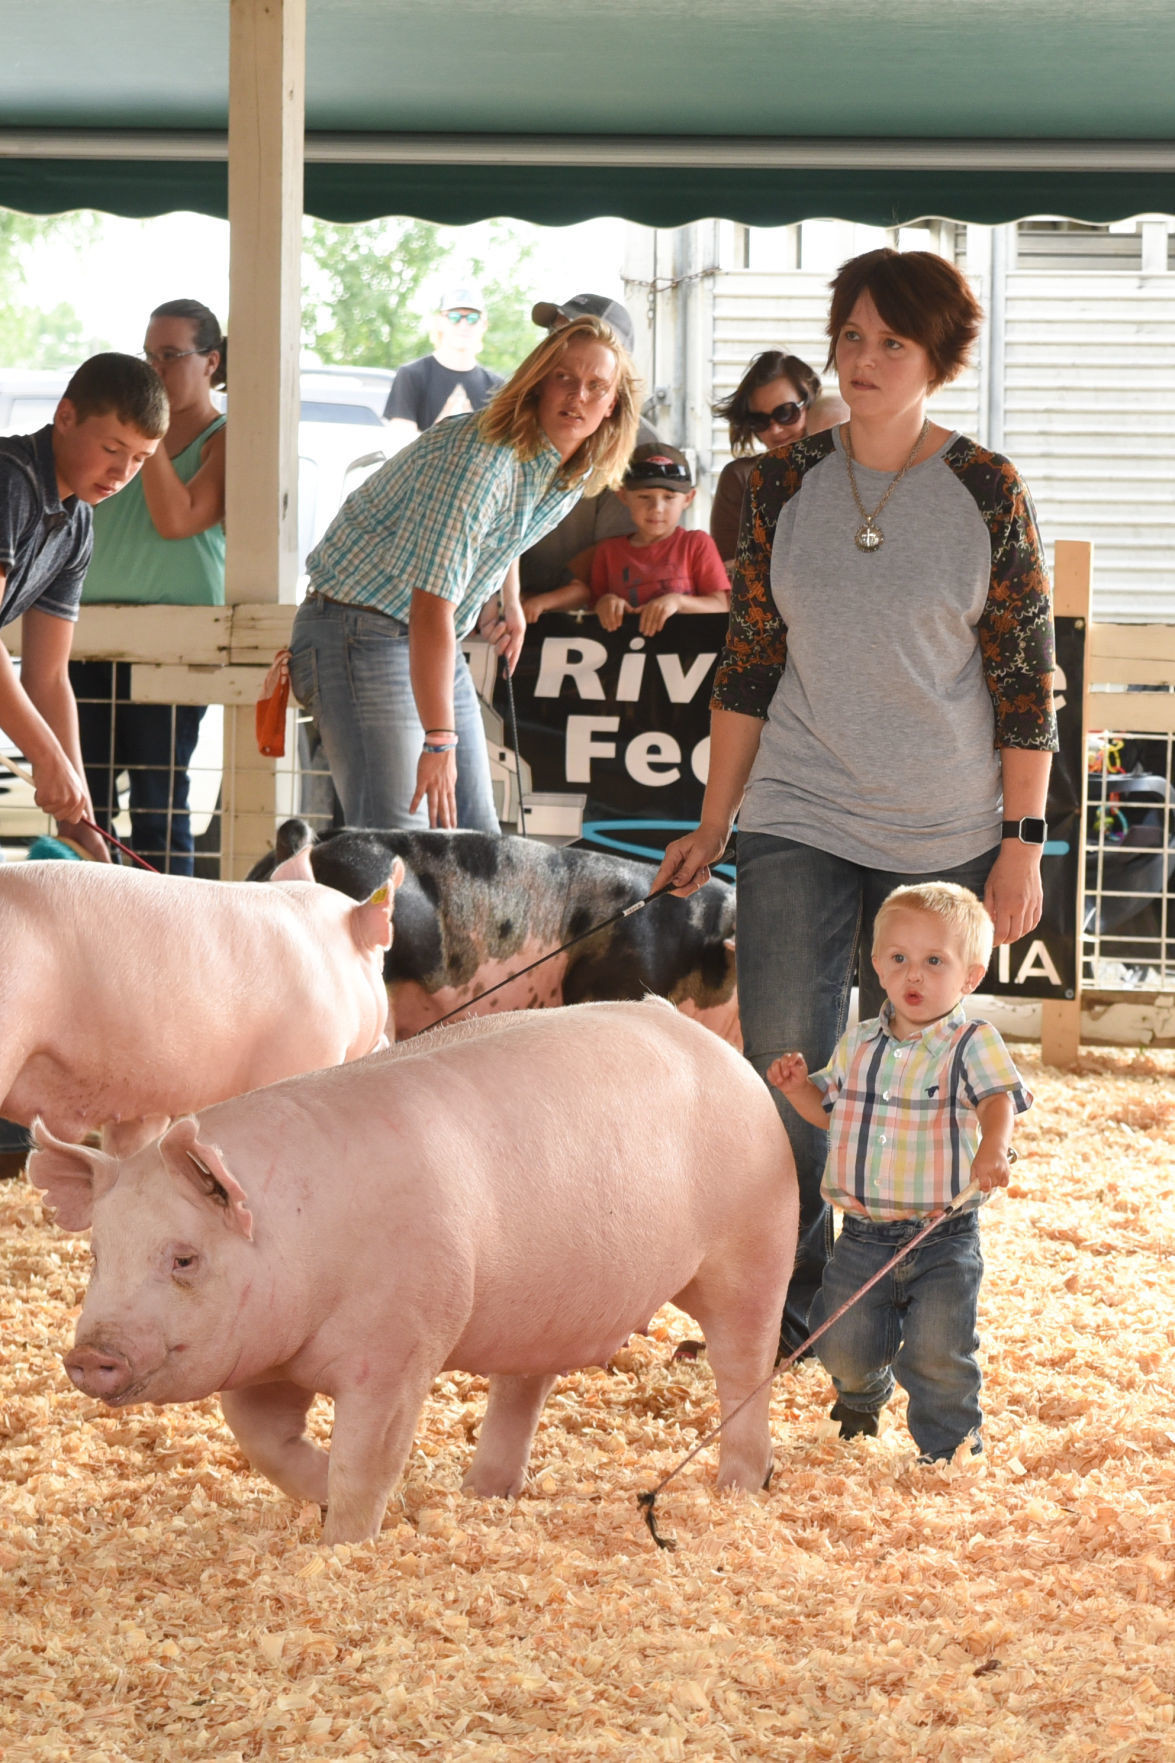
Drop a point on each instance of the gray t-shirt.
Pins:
(880, 742)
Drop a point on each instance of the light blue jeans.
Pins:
(802, 914)
(349, 669)
(915, 1327)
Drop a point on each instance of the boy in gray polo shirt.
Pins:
(111, 418)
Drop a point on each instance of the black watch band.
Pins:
(1029, 831)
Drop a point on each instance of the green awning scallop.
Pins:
(662, 111)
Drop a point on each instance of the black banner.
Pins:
(624, 720)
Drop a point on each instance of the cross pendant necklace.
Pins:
(869, 536)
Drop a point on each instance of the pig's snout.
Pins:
(98, 1373)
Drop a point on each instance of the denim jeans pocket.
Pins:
(304, 677)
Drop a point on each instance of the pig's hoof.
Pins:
(689, 1351)
(493, 1487)
(744, 1478)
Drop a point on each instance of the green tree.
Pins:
(504, 275)
(31, 336)
(362, 290)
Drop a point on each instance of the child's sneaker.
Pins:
(854, 1421)
(925, 1460)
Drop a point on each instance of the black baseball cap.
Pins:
(599, 306)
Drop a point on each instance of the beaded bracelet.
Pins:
(441, 746)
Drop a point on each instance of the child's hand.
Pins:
(610, 609)
(990, 1167)
(655, 614)
(788, 1073)
(534, 607)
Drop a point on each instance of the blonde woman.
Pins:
(408, 566)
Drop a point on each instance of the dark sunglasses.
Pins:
(783, 414)
(657, 471)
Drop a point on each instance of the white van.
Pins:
(29, 396)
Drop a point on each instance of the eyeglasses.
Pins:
(463, 317)
(165, 357)
(781, 417)
(657, 471)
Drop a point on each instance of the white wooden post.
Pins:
(267, 67)
(1060, 1020)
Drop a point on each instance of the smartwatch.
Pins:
(1029, 831)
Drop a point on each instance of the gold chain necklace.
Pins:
(870, 537)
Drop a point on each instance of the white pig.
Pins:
(127, 999)
(512, 1198)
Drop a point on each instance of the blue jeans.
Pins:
(349, 669)
(802, 916)
(916, 1326)
(153, 744)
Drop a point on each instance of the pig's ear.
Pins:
(71, 1177)
(371, 923)
(295, 868)
(194, 1163)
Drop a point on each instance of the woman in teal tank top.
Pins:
(162, 545)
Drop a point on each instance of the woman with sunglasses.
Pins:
(160, 542)
(882, 711)
(425, 551)
(769, 407)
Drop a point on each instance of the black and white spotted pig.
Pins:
(474, 908)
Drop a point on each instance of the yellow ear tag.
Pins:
(381, 896)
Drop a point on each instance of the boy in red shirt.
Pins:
(655, 571)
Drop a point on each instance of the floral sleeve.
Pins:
(756, 640)
(1016, 638)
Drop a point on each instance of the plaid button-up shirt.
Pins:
(903, 1127)
(448, 514)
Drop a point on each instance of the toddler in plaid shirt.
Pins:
(918, 1101)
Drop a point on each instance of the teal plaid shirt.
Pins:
(448, 514)
(903, 1127)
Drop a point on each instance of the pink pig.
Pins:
(512, 1197)
(127, 999)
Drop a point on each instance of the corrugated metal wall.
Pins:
(1088, 393)
(1090, 420)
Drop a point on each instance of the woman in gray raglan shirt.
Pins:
(882, 711)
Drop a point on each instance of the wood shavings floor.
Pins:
(159, 1602)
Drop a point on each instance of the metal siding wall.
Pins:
(1090, 421)
(1089, 385)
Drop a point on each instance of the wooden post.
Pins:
(1060, 1020)
(267, 66)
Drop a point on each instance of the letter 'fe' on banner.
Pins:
(623, 721)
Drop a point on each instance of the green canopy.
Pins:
(662, 111)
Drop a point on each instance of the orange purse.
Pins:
(272, 705)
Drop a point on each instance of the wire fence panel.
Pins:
(1129, 938)
(155, 773)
